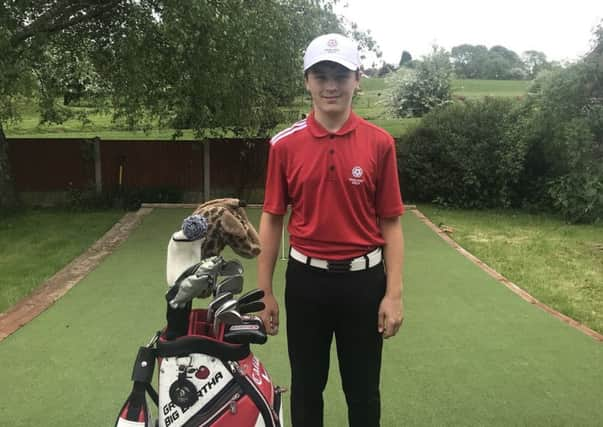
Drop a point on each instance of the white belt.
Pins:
(355, 264)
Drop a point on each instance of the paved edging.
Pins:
(70, 275)
(512, 286)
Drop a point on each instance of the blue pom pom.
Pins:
(194, 227)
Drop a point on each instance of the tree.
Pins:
(385, 69)
(469, 61)
(535, 62)
(504, 64)
(26, 29)
(204, 65)
(416, 92)
(405, 59)
(479, 62)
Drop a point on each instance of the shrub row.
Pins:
(543, 153)
(129, 198)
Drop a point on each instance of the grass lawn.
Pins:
(558, 263)
(35, 244)
(495, 88)
(470, 352)
(369, 103)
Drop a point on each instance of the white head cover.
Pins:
(182, 253)
(333, 47)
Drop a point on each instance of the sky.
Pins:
(562, 29)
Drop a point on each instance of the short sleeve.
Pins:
(275, 196)
(388, 198)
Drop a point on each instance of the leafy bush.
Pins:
(578, 196)
(130, 198)
(416, 92)
(563, 130)
(463, 155)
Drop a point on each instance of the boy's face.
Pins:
(332, 87)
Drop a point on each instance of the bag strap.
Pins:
(144, 366)
(135, 408)
(152, 394)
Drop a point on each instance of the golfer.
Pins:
(344, 275)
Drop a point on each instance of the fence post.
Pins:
(206, 184)
(98, 178)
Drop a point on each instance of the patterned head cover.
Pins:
(213, 226)
(227, 224)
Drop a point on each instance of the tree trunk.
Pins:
(8, 196)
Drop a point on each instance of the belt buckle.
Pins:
(339, 266)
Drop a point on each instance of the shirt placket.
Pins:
(331, 162)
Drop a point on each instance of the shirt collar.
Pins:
(318, 131)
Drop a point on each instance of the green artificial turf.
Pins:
(470, 352)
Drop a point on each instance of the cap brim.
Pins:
(347, 64)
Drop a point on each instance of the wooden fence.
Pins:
(198, 170)
(54, 165)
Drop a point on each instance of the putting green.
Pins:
(470, 352)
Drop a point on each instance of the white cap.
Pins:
(335, 48)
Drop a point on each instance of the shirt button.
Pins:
(332, 136)
(332, 151)
(332, 168)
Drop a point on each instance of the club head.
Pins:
(233, 284)
(217, 302)
(252, 295)
(226, 306)
(251, 307)
(252, 319)
(251, 331)
(231, 268)
(230, 317)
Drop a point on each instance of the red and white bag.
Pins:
(202, 381)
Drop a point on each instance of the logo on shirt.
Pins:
(357, 173)
(332, 43)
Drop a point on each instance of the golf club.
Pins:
(231, 268)
(250, 307)
(251, 330)
(252, 295)
(226, 306)
(215, 304)
(233, 284)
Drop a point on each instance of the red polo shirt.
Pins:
(339, 185)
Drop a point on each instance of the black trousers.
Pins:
(319, 305)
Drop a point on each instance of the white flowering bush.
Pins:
(417, 91)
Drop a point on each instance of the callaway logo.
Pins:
(257, 372)
(332, 43)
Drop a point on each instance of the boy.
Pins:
(339, 174)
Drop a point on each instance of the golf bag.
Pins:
(202, 381)
(207, 374)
